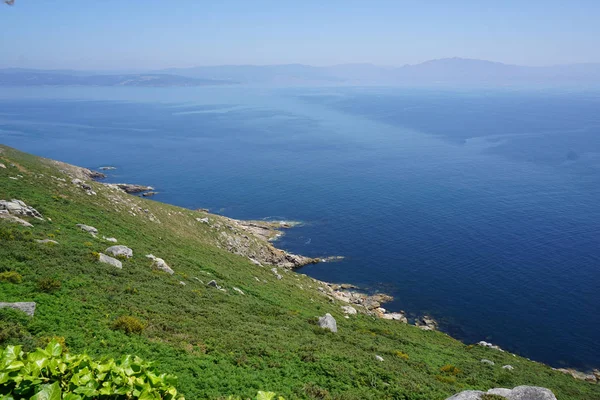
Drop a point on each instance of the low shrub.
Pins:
(11, 276)
(46, 340)
(50, 373)
(400, 354)
(49, 285)
(450, 369)
(128, 324)
(13, 326)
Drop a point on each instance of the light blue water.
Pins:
(478, 207)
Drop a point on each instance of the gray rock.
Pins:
(182, 283)
(530, 393)
(489, 345)
(274, 270)
(107, 168)
(17, 207)
(379, 358)
(518, 393)
(508, 367)
(129, 188)
(16, 220)
(89, 229)
(26, 307)
(160, 264)
(103, 258)
(111, 239)
(349, 310)
(44, 241)
(467, 395)
(488, 362)
(426, 323)
(500, 392)
(395, 317)
(240, 291)
(255, 262)
(120, 250)
(203, 220)
(214, 284)
(2, 166)
(328, 322)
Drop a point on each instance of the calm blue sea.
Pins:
(479, 207)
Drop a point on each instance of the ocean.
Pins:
(479, 207)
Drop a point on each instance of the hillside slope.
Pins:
(218, 342)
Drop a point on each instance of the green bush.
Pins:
(48, 285)
(13, 327)
(128, 325)
(11, 276)
(54, 375)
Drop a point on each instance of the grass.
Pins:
(217, 343)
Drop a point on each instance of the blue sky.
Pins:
(135, 34)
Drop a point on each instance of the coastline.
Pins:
(254, 239)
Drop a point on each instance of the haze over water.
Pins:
(477, 207)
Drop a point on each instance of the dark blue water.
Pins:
(478, 207)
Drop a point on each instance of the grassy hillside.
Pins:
(218, 343)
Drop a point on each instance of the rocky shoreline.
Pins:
(255, 243)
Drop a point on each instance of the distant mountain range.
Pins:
(26, 77)
(434, 72)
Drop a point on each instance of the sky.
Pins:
(154, 34)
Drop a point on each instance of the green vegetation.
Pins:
(11, 276)
(48, 285)
(51, 374)
(128, 324)
(218, 344)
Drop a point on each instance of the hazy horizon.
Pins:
(134, 35)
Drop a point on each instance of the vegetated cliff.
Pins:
(210, 300)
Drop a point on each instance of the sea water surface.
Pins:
(478, 207)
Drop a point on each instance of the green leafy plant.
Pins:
(128, 324)
(51, 374)
(11, 276)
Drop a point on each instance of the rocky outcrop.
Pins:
(251, 239)
(426, 323)
(89, 229)
(132, 189)
(582, 376)
(26, 307)
(518, 393)
(17, 207)
(107, 168)
(11, 218)
(159, 263)
(46, 241)
(349, 310)
(103, 258)
(328, 322)
(395, 316)
(120, 250)
(83, 185)
(149, 194)
(490, 346)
